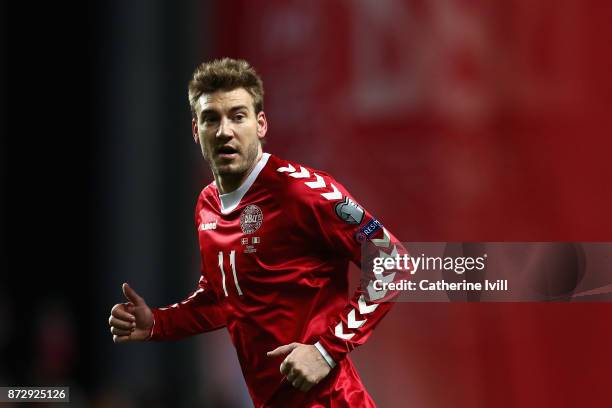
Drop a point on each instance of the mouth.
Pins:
(227, 152)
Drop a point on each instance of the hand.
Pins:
(304, 366)
(130, 321)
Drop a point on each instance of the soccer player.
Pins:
(275, 240)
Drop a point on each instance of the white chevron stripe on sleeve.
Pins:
(364, 308)
(353, 323)
(393, 254)
(289, 169)
(379, 294)
(303, 173)
(319, 183)
(339, 333)
(382, 242)
(334, 195)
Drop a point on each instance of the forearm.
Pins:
(197, 314)
(178, 321)
(368, 306)
(352, 328)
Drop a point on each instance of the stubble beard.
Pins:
(231, 172)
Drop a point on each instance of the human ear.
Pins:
(194, 131)
(262, 125)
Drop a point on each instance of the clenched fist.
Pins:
(132, 320)
(304, 366)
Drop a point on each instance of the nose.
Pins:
(224, 130)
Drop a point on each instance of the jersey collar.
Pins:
(230, 201)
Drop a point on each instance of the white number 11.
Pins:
(233, 265)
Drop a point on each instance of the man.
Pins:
(275, 239)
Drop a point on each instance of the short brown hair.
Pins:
(225, 74)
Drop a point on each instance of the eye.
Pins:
(209, 119)
(239, 117)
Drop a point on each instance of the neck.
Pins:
(226, 183)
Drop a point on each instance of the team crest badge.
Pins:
(251, 219)
(349, 211)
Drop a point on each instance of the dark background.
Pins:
(455, 121)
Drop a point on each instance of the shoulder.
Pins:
(207, 195)
(208, 191)
(304, 183)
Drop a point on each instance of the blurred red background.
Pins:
(454, 120)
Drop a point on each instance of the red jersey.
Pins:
(275, 256)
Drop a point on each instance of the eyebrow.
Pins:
(232, 110)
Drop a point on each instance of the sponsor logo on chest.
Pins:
(208, 225)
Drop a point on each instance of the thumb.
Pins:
(131, 295)
(282, 350)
